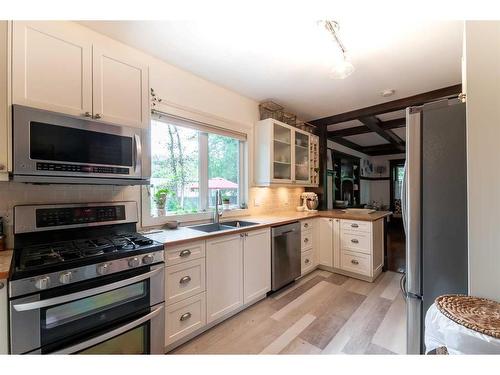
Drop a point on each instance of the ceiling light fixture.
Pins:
(344, 67)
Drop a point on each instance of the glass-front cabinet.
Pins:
(283, 154)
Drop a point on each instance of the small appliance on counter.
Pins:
(309, 202)
(85, 282)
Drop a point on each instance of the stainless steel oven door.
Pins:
(144, 335)
(51, 147)
(59, 318)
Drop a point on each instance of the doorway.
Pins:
(396, 249)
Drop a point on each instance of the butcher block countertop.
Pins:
(182, 235)
(5, 261)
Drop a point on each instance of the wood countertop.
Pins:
(172, 237)
(5, 261)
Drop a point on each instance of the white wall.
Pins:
(482, 57)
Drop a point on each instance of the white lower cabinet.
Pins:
(256, 264)
(326, 242)
(224, 275)
(184, 280)
(307, 261)
(185, 317)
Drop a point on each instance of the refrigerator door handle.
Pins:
(402, 285)
(403, 198)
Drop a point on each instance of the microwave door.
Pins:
(50, 147)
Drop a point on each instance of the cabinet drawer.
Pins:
(185, 317)
(306, 224)
(307, 261)
(306, 240)
(184, 280)
(184, 253)
(356, 225)
(355, 262)
(356, 241)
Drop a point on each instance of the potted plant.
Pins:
(160, 199)
(226, 199)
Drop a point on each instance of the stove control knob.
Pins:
(148, 259)
(102, 269)
(66, 277)
(133, 262)
(42, 283)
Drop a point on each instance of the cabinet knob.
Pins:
(87, 114)
(185, 316)
(306, 261)
(354, 225)
(185, 253)
(354, 261)
(185, 280)
(306, 240)
(97, 116)
(2, 284)
(306, 225)
(354, 240)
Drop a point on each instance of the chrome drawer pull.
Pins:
(354, 240)
(185, 253)
(355, 225)
(185, 316)
(185, 280)
(354, 261)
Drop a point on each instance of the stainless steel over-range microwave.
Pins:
(50, 147)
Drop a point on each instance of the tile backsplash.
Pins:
(262, 200)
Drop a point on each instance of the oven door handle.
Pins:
(138, 151)
(84, 293)
(108, 335)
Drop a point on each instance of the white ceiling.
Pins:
(289, 60)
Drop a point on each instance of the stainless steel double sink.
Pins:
(227, 225)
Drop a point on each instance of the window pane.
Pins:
(223, 168)
(174, 169)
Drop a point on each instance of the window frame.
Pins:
(205, 212)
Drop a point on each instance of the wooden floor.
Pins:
(323, 313)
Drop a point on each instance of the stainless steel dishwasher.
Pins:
(285, 258)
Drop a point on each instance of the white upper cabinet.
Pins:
(120, 88)
(257, 264)
(5, 139)
(51, 67)
(282, 154)
(60, 67)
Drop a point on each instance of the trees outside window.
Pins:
(188, 166)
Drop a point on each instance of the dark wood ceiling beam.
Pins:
(385, 149)
(373, 124)
(391, 106)
(386, 125)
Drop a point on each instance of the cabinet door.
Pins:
(326, 242)
(224, 275)
(336, 243)
(301, 158)
(256, 264)
(120, 88)
(282, 154)
(4, 113)
(51, 67)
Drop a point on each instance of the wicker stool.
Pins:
(474, 325)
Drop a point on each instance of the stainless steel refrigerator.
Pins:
(434, 211)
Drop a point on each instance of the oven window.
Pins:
(60, 143)
(134, 341)
(63, 324)
(92, 305)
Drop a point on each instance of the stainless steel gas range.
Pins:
(85, 282)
